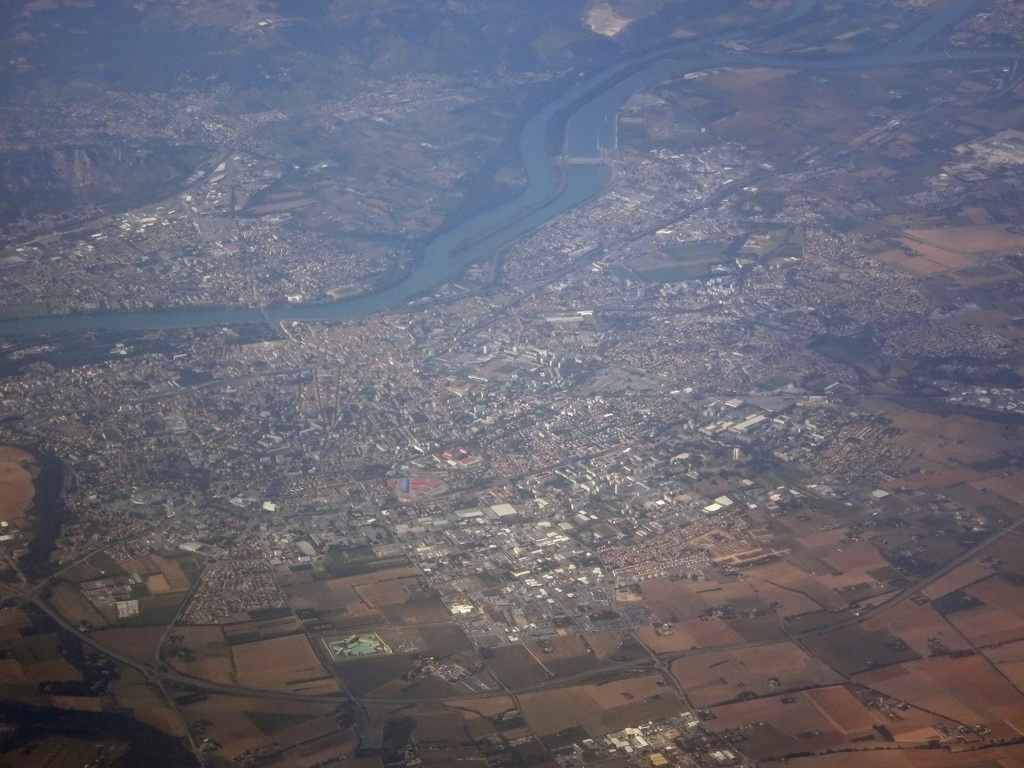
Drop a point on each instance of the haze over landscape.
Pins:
(462, 383)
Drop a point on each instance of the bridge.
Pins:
(602, 159)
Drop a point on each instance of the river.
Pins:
(588, 110)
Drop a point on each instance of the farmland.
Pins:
(363, 676)
(712, 678)
(72, 605)
(599, 709)
(856, 649)
(998, 617)
(139, 643)
(16, 483)
(236, 726)
(201, 652)
(964, 690)
(148, 706)
(281, 664)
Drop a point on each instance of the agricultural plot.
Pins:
(264, 629)
(888, 758)
(281, 664)
(12, 673)
(424, 610)
(335, 747)
(41, 659)
(328, 596)
(673, 600)
(288, 732)
(236, 725)
(603, 643)
(361, 593)
(140, 592)
(857, 649)
(390, 592)
(515, 666)
(704, 633)
(139, 643)
(363, 676)
(792, 724)
(82, 571)
(487, 706)
(1009, 660)
(598, 709)
(713, 678)
(925, 631)
(202, 652)
(155, 611)
(443, 640)
(753, 619)
(12, 621)
(786, 602)
(67, 599)
(959, 577)
(664, 640)
(821, 109)
(444, 756)
(988, 611)
(435, 723)
(1007, 486)
(795, 590)
(17, 488)
(148, 706)
(707, 613)
(161, 574)
(563, 655)
(656, 706)
(842, 709)
(954, 248)
(827, 539)
(949, 461)
(854, 562)
(966, 690)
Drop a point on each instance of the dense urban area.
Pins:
(723, 466)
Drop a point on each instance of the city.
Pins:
(722, 466)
